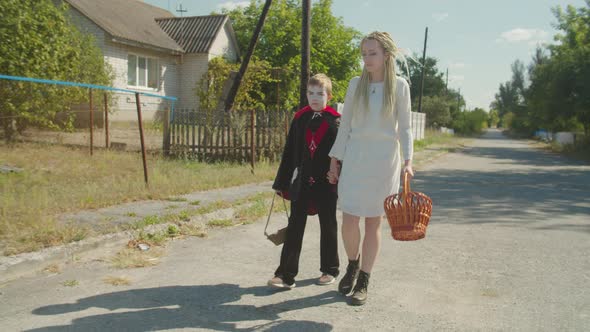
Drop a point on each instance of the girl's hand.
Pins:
(408, 169)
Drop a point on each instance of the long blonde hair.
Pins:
(361, 95)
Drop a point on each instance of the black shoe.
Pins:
(347, 282)
(359, 296)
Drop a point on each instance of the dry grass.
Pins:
(489, 293)
(133, 258)
(579, 151)
(117, 281)
(52, 269)
(434, 137)
(221, 223)
(70, 283)
(192, 230)
(252, 212)
(59, 179)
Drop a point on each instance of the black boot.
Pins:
(352, 272)
(359, 296)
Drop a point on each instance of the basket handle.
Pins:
(272, 204)
(406, 188)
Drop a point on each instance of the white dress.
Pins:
(369, 148)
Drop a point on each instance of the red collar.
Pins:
(306, 109)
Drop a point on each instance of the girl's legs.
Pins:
(351, 235)
(371, 246)
(371, 243)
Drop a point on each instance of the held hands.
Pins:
(334, 173)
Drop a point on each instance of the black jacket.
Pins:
(297, 155)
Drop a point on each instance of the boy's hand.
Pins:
(332, 177)
(334, 173)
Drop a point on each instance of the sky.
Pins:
(476, 40)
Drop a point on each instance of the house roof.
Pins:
(196, 34)
(130, 20)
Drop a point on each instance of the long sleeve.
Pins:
(339, 147)
(404, 119)
(286, 168)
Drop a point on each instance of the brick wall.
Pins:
(179, 75)
(116, 55)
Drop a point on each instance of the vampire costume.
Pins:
(302, 179)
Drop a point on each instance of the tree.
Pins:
(493, 118)
(518, 81)
(40, 42)
(471, 122)
(441, 105)
(249, 95)
(434, 84)
(437, 109)
(506, 99)
(334, 49)
(571, 58)
(557, 97)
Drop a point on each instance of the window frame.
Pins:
(147, 72)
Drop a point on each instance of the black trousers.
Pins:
(329, 261)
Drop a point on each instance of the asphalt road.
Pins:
(507, 249)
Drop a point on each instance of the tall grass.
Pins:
(57, 179)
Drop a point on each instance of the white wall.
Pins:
(418, 125)
(116, 55)
(192, 69)
(223, 46)
(179, 75)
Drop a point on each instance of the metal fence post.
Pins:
(145, 171)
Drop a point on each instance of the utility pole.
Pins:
(236, 83)
(459, 101)
(423, 71)
(305, 51)
(447, 84)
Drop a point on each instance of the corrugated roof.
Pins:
(194, 34)
(132, 20)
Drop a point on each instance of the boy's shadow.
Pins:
(187, 307)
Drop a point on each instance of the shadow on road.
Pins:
(171, 307)
(520, 155)
(522, 186)
(517, 196)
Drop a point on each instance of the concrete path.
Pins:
(507, 249)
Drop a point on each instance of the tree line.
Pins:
(39, 41)
(273, 79)
(552, 92)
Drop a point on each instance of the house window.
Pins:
(142, 72)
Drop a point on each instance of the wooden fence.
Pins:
(219, 136)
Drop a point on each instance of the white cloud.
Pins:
(520, 35)
(456, 78)
(457, 65)
(439, 17)
(230, 5)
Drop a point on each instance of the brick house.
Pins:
(153, 51)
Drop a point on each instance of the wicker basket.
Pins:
(408, 213)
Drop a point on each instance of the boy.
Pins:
(302, 178)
